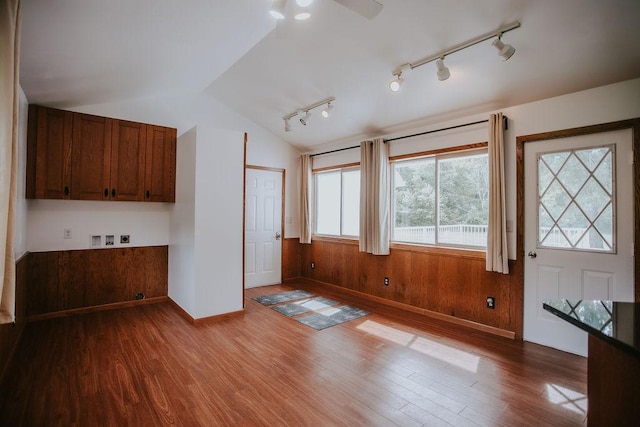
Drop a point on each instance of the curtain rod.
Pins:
(505, 119)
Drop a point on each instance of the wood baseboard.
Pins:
(203, 320)
(422, 311)
(96, 308)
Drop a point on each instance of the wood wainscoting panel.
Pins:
(291, 258)
(453, 283)
(66, 280)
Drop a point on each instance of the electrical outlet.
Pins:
(67, 233)
(124, 239)
(491, 302)
(386, 281)
(109, 240)
(313, 265)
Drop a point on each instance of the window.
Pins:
(338, 202)
(442, 199)
(576, 199)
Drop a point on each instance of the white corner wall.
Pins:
(218, 222)
(182, 283)
(205, 254)
(20, 233)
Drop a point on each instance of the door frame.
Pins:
(633, 124)
(283, 172)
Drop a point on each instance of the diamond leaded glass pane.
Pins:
(576, 199)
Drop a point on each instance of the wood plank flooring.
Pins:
(147, 366)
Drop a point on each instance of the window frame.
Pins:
(342, 169)
(437, 154)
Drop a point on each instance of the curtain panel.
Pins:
(9, 67)
(306, 198)
(497, 254)
(375, 197)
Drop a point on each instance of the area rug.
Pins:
(332, 317)
(305, 306)
(283, 297)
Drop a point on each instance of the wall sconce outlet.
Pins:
(386, 281)
(313, 265)
(491, 302)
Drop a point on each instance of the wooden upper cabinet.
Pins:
(84, 157)
(160, 177)
(49, 153)
(91, 158)
(128, 145)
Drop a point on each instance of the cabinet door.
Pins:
(160, 176)
(91, 157)
(48, 153)
(128, 144)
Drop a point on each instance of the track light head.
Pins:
(327, 111)
(302, 14)
(277, 9)
(304, 120)
(287, 125)
(443, 72)
(505, 51)
(394, 85)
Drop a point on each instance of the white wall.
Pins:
(218, 221)
(182, 225)
(605, 104)
(20, 233)
(205, 254)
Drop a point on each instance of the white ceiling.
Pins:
(79, 52)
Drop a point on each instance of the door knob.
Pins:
(277, 235)
(532, 254)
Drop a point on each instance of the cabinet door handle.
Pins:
(106, 192)
(66, 190)
(147, 194)
(113, 192)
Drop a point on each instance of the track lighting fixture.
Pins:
(304, 3)
(277, 8)
(302, 14)
(394, 85)
(304, 120)
(443, 72)
(326, 112)
(505, 51)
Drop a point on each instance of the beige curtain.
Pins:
(9, 62)
(497, 255)
(375, 188)
(306, 198)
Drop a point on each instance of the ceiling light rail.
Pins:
(505, 51)
(306, 112)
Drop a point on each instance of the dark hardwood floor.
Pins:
(146, 366)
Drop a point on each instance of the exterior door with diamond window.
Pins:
(578, 229)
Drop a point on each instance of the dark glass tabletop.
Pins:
(615, 322)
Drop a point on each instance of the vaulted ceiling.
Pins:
(79, 52)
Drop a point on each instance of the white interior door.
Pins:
(263, 228)
(578, 229)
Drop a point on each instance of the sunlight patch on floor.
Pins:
(445, 353)
(567, 398)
